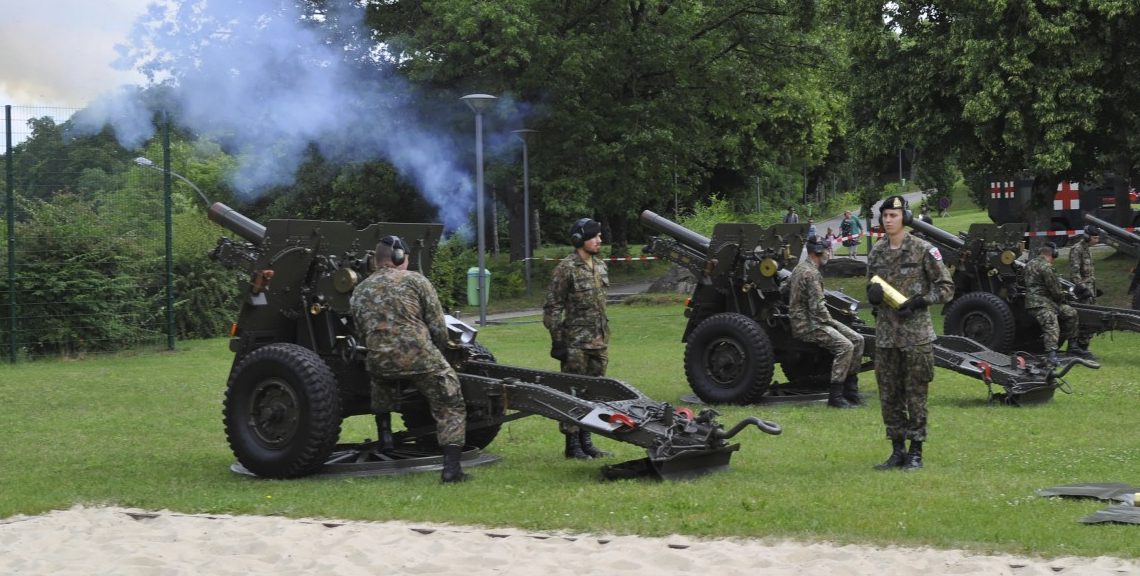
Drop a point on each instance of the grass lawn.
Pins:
(145, 431)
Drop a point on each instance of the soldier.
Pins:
(1045, 301)
(399, 314)
(812, 323)
(1083, 274)
(904, 353)
(575, 315)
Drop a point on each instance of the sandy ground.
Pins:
(122, 541)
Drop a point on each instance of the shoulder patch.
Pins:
(934, 252)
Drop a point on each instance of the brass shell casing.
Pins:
(892, 297)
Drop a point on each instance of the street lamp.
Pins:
(523, 135)
(478, 103)
(148, 163)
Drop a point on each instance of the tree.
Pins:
(1009, 87)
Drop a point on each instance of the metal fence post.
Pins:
(168, 201)
(10, 190)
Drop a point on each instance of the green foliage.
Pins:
(449, 271)
(83, 282)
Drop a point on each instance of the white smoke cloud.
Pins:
(259, 76)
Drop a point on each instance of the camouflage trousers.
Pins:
(904, 376)
(587, 362)
(444, 396)
(844, 344)
(1056, 325)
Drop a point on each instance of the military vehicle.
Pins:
(989, 289)
(298, 370)
(739, 330)
(1010, 199)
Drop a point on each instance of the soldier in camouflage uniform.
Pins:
(812, 323)
(399, 315)
(1045, 301)
(575, 315)
(904, 353)
(1082, 273)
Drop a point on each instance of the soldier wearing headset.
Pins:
(399, 314)
(812, 323)
(1045, 301)
(904, 334)
(575, 315)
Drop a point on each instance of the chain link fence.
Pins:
(86, 241)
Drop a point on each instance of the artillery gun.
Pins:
(989, 290)
(738, 325)
(299, 371)
(1126, 243)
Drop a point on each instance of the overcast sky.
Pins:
(60, 52)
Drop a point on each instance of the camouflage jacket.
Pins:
(1042, 287)
(1081, 266)
(806, 304)
(915, 269)
(399, 315)
(575, 308)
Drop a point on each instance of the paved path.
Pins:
(617, 292)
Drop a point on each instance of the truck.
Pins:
(739, 329)
(298, 370)
(1009, 200)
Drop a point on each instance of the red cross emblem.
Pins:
(1068, 196)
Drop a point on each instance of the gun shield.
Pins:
(892, 297)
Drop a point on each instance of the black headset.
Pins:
(1091, 231)
(1052, 246)
(578, 231)
(908, 217)
(399, 250)
(816, 246)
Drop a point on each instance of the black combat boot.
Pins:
(1075, 349)
(914, 457)
(835, 397)
(897, 457)
(384, 430)
(1051, 358)
(574, 446)
(452, 469)
(851, 390)
(587, 445)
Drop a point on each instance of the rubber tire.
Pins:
(729, 360)
(984, 318)
(296, 385)
(420, 415)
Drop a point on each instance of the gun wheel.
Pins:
(282, 411)
(984, 318)
(729, 360)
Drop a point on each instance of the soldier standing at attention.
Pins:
(812, 323)
(400, 316)
(1045, 301)
(904, 353)
(575, 315)
(1082, 273)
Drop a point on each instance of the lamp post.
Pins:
(147, 163)
(523, 135)
(478, 103)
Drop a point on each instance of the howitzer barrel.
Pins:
(237, 223)
(1113, 229)
(675, 230)
(938, 234)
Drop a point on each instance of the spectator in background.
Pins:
(811, 229)
(850, 231)
(791, 217)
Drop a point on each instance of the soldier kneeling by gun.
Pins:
(1045, 301)
(812, 323)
